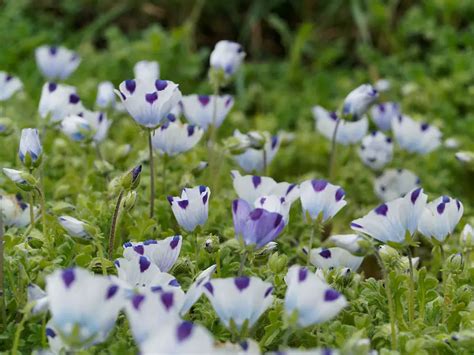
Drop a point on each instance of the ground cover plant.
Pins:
(166, 193)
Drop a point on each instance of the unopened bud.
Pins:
(6, 126)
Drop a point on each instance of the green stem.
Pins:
(196, 248)
(218, 262)
(100, 251)
(43, 213)
(444, 282)
(265, 165)
(286, 337)
(311, 239)
(152, 175)
(165, 166)
(332, 158)
(211, 146)
(411, 287)
(19, 329)
(3, 314)
(243, 258)
(114, 225)
(32, 212)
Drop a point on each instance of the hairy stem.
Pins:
(310, 245)
(444, 282)
(3, 314)
(113, 227)
(411, 287)
(165, 166)
(243, 258)
(43, 213)
(152, 175)
(20, 327)
(332, 157)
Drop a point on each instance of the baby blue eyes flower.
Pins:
(56, 63)
(58, 101)
(319, 197)
(146, 70)
(414, 136)
(174, 137)
(254, 160)
(192, 208)
(199, 109)
(15, 211)
(73, 226)
(256, 226)
(76, 128)
(358, 102)
(440, 218)
(394, 183)
(239, 299)
(391, 221)
(227, 56)
(31, 150)
(329, 258)
(39, 297)
(106, 95)
(99, 124)
(9, 85)
(149, 102)
(376, 150)
(384, 113)
(311, 298)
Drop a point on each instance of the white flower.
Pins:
(349, 242)
(56, 63)
(465, 156)
(174, 137)
(146, 70)
(394, 183)
(347, 132)
(227, 56)
(56, 344)
(149, 102)
(320, 196)
(191, 209)
(73, 226)
(451, 143)
(39, 297)
(253, 160)
(414, 136)
(9, 85)
(83, 306)
(30, 147)
(440, 217)
(313, 300)
(99, 124)
(16, 213)
(105, 95)
(376, 150)
(358, 101)
(15, 175)
(199, 109)
(243, 347)
(382, 85)
(391, 221)
(58, 101)
(76, 128)
(384, 113)
(467, 235)
(239, 299)
(275, 204)
(328, 258)
(196, 289)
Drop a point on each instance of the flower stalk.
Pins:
(113, 227)
(152, 175)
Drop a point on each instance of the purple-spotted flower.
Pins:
(105, 95)
(56, 344)
(350, 242)
(358, 102)
(173, 137)
(149, 102)
(38, 297)
(58, 101)
(394, 183)
(227, 56)
(147, 70)
(243, 347)
(16, 213)
(77, 128)
(384, 113)
(199, 109)
(180, 337)
(163, 253)
(196, 289)
(440, 218)
(330, 258)
(74, 227)
(56, 63)
(274, 204)
(9, 85)
(22, 179)
(99, 124)
(256, 226)
(310, 297)
(255, 160)
(391, 221)
(319, 197)
(83, 306)
(192, 208)
(414, 136)
(240, 299)
(376, 150)
(31, 150)
(347, 132)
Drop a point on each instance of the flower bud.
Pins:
(467, 236)
(30, 151)
(237, 146)
(226, 58)
(455, 263)
(277, 262)
(197, 170)
(74, 227)
(103, 167)
(257, 140)
(23, 180)
(6, 126)
(129, 200)
(130, 180)
(212, 243)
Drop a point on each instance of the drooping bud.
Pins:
(130, 180)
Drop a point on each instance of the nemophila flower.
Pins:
(22, 179)
(163, 253)
(196, 289)
(181, 337)
(105, 95)
(74, 227)
(31, 150)
(9, 85)
(376, 150)
(310, 297)
(358, 101)
(58, 101)
(451, 143)
(467, 236)
(227, 56)
(394, 183)
(384, 113)
(149, 102)
(36, 295)
(240, 299)
(298, 351)
(347, 132)
(440, 217)
(56, 344)
(152, 311)
(199, 109)
(329, 258)
(77, 128)
(246, 346)
(99, 124)
(391, 221)
(349, 242)
(319, 197)
(83, 306)
(251, 187)
(414, 136)
(273, 203)
(56, 63)
(146, 70)
(16, 213)
(254, 160)
(192, 208)
(174, 137)
(382, 85)
(255, 226)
